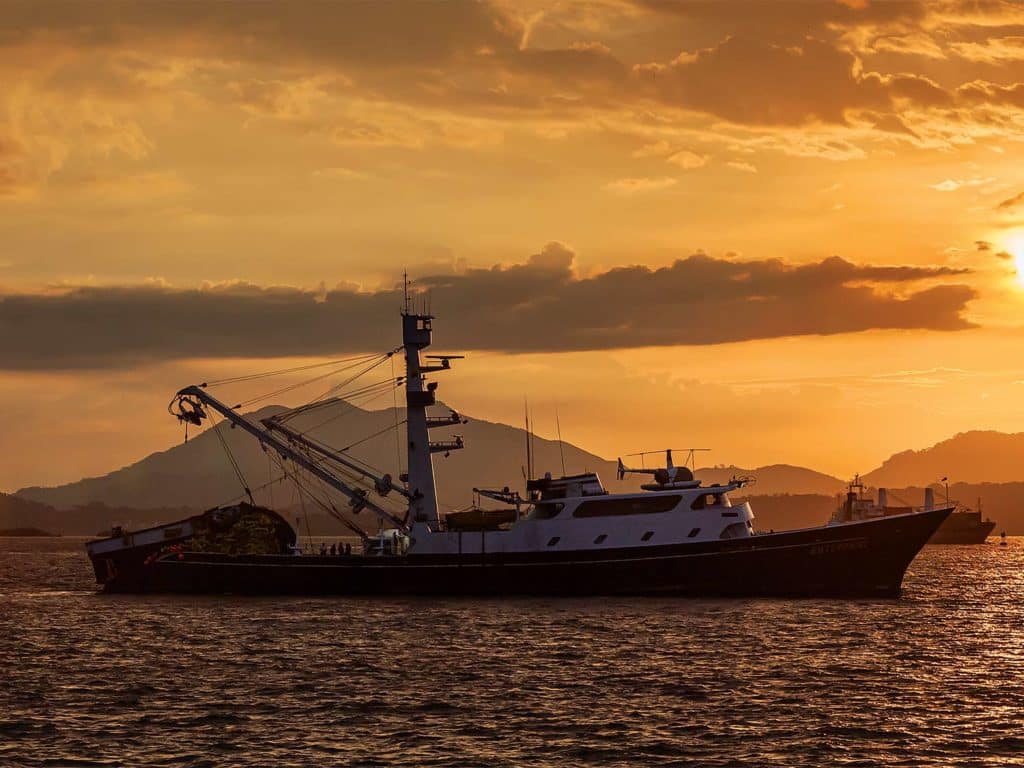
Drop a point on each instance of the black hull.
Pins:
(862, 559)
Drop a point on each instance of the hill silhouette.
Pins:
(971, 457)
(776, 479)
(197, 475)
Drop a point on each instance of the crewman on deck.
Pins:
(334, 550)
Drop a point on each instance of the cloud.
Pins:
(752, 81)
(740, 165)
(994, 50)
(538, 306)
(639, 186)
(687, 160)
(984, 246)
(391, 34)
(1010, 203)
(984, 92)
(952, 185)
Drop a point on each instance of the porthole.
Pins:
(601, 538)
(553, 541)
(647, 536)
(693, 533)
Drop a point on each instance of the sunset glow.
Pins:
(765, 212)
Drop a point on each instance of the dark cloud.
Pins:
(984, 92)
(984, 246)
(1011, 202)
(779, 63)
(751, 80)
(782, 15)
(366, 32)
(539, 306)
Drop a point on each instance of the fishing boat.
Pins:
(566, 535)
(962, 526)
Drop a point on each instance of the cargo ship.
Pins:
(962, 525)
(565, 535)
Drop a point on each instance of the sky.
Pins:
(791, 232)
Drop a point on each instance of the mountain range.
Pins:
(197, 474)
(976, 457)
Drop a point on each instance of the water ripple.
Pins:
(933, 679)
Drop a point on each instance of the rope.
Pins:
(231, 459)
(341, 385)
(348, 448)
(291, 387)
(370, 391)
(394, 400)
(282, 371)
(270, 474)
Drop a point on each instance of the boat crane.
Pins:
(190, 402)
(382, 484)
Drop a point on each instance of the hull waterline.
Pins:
(861, 559)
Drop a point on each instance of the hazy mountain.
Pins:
(974, 457)
(776, 478)
(17, 512)
(198, 474)
(86, 520)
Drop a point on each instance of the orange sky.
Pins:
(790, 232)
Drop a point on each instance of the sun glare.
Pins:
(1015, 247)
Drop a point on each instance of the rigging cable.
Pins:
(348, 448)
(394, 400)
(299, 384)
(341, 385)
(231, 459)
(282, 371)
(324, 399)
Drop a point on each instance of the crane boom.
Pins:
(382, 483)
(357, 497)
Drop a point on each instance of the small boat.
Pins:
(567, 536)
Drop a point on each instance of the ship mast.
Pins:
(419, 395)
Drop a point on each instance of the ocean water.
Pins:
(935, 678)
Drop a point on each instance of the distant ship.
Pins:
(962, 526)
(567, 536)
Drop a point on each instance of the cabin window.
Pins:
(554, 540)
(640, 505)
(734, 531)
(693, 533)
(601, 538)
(548, 510)
(706, 500)
(647, 536)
